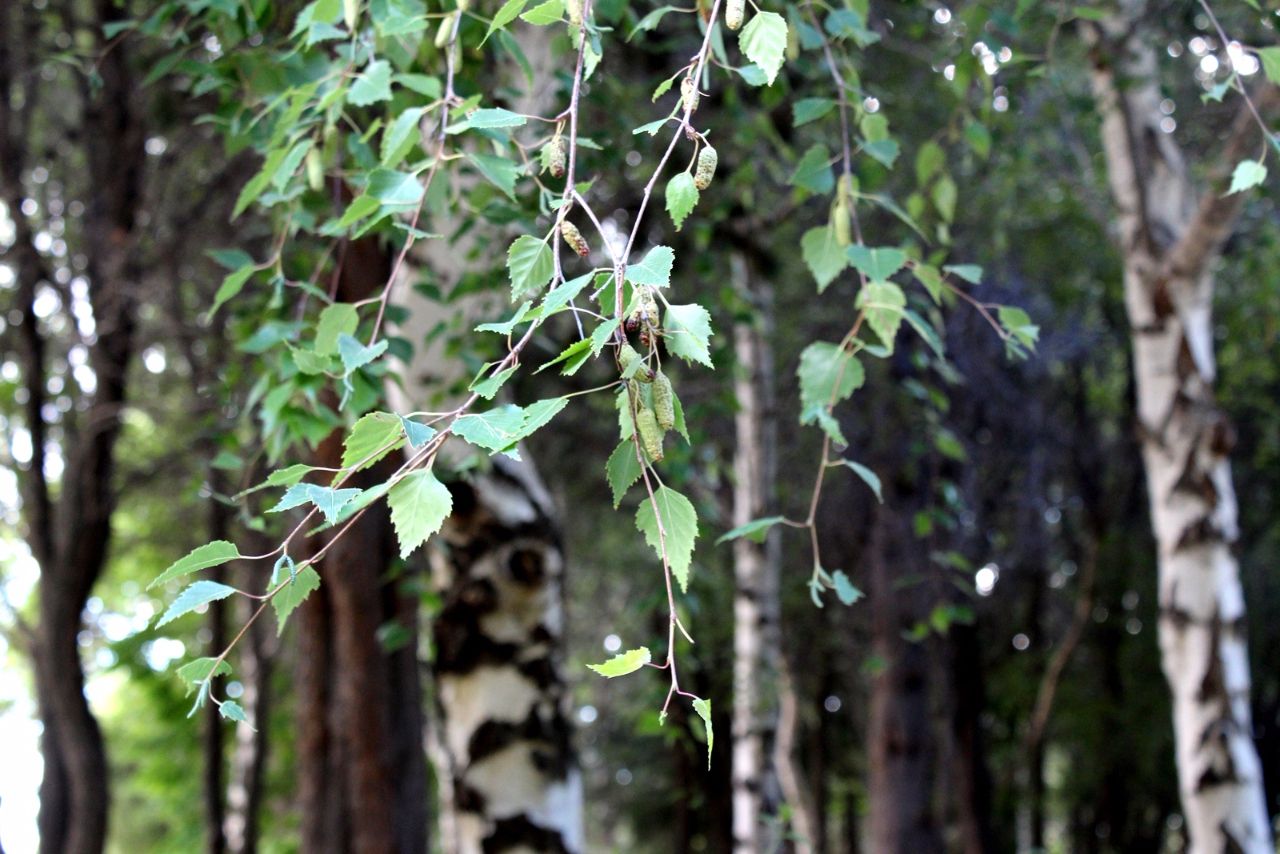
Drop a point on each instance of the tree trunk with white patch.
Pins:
(504, 737)
(1170, 241)
(756, 639)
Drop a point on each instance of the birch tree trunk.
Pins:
(756, 638)
(1169, 242)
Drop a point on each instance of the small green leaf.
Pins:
(1247, 174)
(338, 319)
(545, 13)
(327, 500)
(419, 505)
(417, 434)
(508, 13)
(813, 172)
(654, 269)
(292, 595)
(356, 355)
(828, 374)
(944, 197)
(489, 387)
(197, 594)
(373, 85)
(877, 264)
(755, 530)
(971, 273)
(232, 285)
(929, 159)
(490, 117)
(404, 128)
(499, 171)
(209, 555)
(202, 669)
(373, 437)
(682, 195)
(1270, 57)
(679, 525)
(823, 254)
(703, 708)
(389, 187)
(687, 332)
(845, 591)
(764, 41)
(622, 470)
(623, 663)
(883, 303)
(232, 711)
(495, 430)
(530, 266)
(810, 109)
(931, 279)
(869, 477)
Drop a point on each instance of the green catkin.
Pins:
(840, 212)
(573, 8)
(650, 433)
(733, 13)
(446, 30)
(627, 356)
(649, 307)
(706, 170)
(574, 238)
(664, 402)
(689, 94)
(556, 156)
(315, 169)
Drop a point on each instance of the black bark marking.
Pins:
(518, 832)
(1230, 845)
(527, 567)
(1198, 533)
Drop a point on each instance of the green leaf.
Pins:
(813, 172)
(201, 670)
(971, 273)
(506, 327)
(654, 269)
(361, 206)
(292, 595)
(828, 374)
(199, 593)
(883, 303)
(419, 505)
(651, 20)
(490, 117)
(417, 434)
(425, 85)
(231, 286)
(845, 591)
(622, 470)
(931, 279)
(495, 430)
(338, 319)
(530, 266)
(756, 530)
(309, 362)
(327, 500)
(500, 171)
(232, 711)
(623, 663)
(679, 524)
(1247, 174)
(682, 195)
(764, 41)
(373, 437)
(575, 354)
(884, 151)
(687, 331)
(545, 13)
(288, 476)
(823, 254)
(492, 384)
(508, 13)
(929, 159)
(372, 86)
(1016, 322)
(401, 131)
(394, 188)
(869, 477)
(561, 295)
(810, 109)
(944, 197)
(211, 554)
(703, 708)
(356, 355)
(538, 415)
(926, 331)
(876, 264)
(1270, 57)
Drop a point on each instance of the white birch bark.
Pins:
(756, 640)
(1169, 242)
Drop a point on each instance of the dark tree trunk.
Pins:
(900, 743)
(363, 786)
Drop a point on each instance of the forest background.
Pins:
(937, 404)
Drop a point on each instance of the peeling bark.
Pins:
(1169, 241)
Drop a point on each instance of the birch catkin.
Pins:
(574, 238)
(556, 156)
(707, 160)
(664, 402)
(650, 433)
(733, 13)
